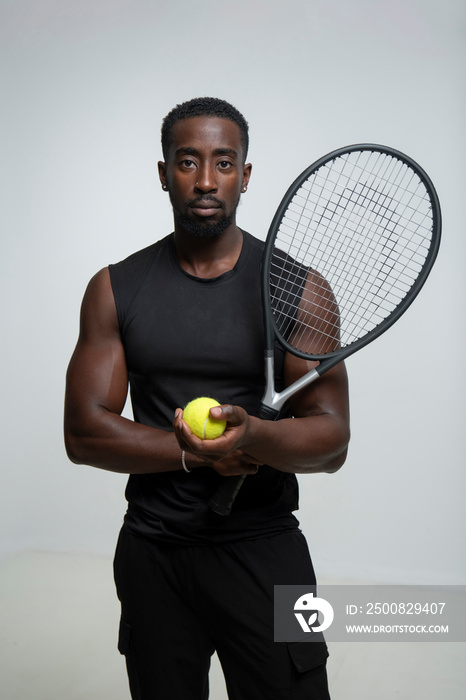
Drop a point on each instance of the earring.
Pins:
(243, 189)
(164, 187)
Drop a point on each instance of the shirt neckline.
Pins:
(225, 276)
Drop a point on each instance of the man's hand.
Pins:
(225, 453)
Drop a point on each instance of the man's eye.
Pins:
(224, 164)
(187, 163)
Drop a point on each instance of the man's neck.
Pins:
(208, 257)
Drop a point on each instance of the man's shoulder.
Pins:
(255, 243)
(129, 275)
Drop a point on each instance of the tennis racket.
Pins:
(347, 252)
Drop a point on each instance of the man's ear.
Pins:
(247, 168)
(162, 174)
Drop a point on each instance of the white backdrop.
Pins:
(84, 88)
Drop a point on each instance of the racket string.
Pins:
(370, 220)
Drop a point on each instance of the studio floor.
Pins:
(58, 626)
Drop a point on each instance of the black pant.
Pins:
(180, 604)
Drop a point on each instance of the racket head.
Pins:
(348, 250)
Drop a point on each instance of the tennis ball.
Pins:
(196, 415)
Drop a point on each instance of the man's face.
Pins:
(204, 174)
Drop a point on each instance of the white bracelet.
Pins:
(183, 462)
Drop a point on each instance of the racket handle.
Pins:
(267, 413)
(223, 499)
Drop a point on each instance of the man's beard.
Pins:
(204, 229)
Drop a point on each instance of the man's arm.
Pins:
(319, 431)
(96, 389)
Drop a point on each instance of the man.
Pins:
(181, 319)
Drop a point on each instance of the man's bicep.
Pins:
(97, 374)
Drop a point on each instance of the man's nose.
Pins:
(207, 180)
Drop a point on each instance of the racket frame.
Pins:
(272, 400)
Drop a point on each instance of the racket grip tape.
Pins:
(267, 413)
(223, 499)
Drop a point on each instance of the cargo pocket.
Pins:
(124, 638)
(307, 655)
(309, 680)
(124, 647)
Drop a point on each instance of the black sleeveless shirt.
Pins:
(186, 337)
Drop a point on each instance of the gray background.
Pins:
(84, 88)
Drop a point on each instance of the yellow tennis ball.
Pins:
(197, 416)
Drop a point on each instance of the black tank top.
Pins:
(186, 337)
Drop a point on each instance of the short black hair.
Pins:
(199, 107)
